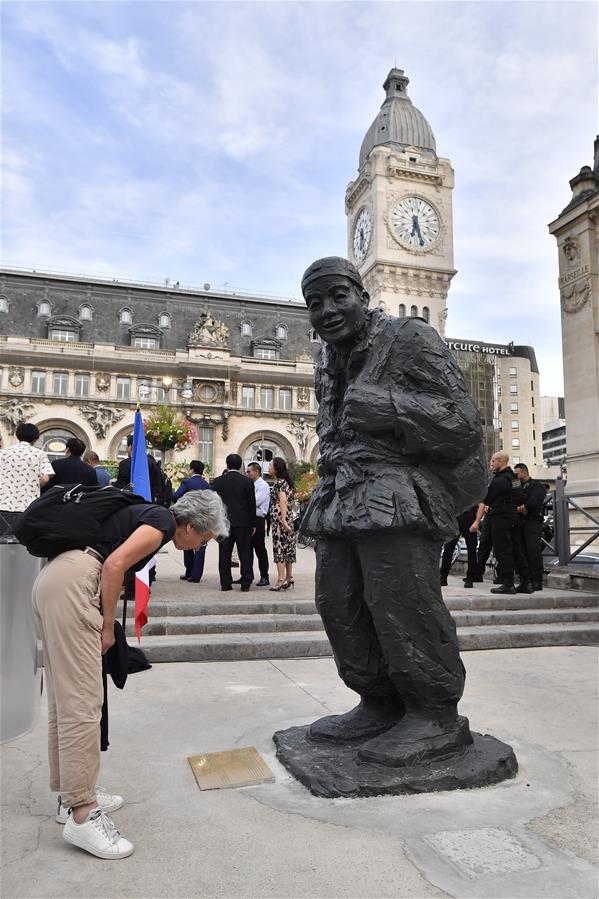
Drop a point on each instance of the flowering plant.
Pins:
(167, 429)
(304, 486)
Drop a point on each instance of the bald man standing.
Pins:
(502, 519)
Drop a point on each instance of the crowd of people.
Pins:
(508, 522)
(254, 508)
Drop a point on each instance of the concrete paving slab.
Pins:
(276, 840)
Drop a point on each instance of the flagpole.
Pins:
(125, 597)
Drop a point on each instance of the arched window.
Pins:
(85, 312)
(54, 442)
(402, 310)
(414, 311)
(3, 304)
(43, 307)
(263, 451)
(126, 316)
(247, 329)
(281, 332)
(164, 320)
(426, 313)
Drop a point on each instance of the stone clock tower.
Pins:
(399, 214)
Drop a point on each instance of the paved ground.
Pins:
(531, 837)
(170, 567)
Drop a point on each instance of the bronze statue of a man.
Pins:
(399, 459)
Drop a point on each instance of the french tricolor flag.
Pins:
(140, 479)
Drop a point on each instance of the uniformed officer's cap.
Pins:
(331, 265)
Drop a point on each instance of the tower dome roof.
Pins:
(398, 121)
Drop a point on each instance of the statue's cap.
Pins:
(331, 265)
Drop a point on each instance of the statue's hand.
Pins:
(368, 408)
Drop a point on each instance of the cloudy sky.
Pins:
(213, 142)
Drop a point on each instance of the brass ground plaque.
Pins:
(233, 768)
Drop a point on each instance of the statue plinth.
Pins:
(335, 770)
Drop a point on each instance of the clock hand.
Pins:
(416, 230)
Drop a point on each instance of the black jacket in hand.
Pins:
(400, 438)
(239, 496)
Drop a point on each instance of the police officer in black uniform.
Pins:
(501, 521)
(530, 522)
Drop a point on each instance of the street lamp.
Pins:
(144, 390)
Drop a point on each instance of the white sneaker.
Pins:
(98, 835)
(106, 801)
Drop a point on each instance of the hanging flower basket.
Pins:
(167, 429)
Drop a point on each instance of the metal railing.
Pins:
(561, 504)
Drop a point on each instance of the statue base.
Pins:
(333, 770)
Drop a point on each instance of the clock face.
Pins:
(362, 234)
(416, 223)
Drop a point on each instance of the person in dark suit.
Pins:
(71, 469)
(193, 558)
(123, 478)
(238, 494)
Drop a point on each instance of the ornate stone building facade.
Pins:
(576, 230)
(78, 355)
(399, 211)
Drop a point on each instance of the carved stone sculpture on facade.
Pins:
(102, 382)
(208, 332)
(400, 442)
(303, 396)
(16, 376)
(575, 296)
(14, 411)
(301, 430)
(101, 418)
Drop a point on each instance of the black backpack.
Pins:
(66, 517)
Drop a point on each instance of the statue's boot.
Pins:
(368, 719)
(417, 739)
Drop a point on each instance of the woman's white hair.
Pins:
(204, 510)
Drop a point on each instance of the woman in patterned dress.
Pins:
(283, 534)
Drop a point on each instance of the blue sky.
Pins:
(214, 141)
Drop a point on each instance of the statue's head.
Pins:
(336, 299)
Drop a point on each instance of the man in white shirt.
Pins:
(254, 473)
(23, 471)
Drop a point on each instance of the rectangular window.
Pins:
(513, 407)
(265, 352)
(516, 442)
(63, 335)
(499, 390)
(515, 424)
(513, 389)
(60, 383)
(248, 397)
(162, 394)
(145, 343)
(81, 385)
(123, 388)
(532, 386)
(513, 372)
(206, 445)
(38, 382)
(534, 437)
(285, 398)
(533, 418)
(267, 400)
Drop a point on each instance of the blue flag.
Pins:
(140, 472)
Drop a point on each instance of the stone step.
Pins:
(541, 600)
(228, 624)
(311, 644)
(220, 624)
